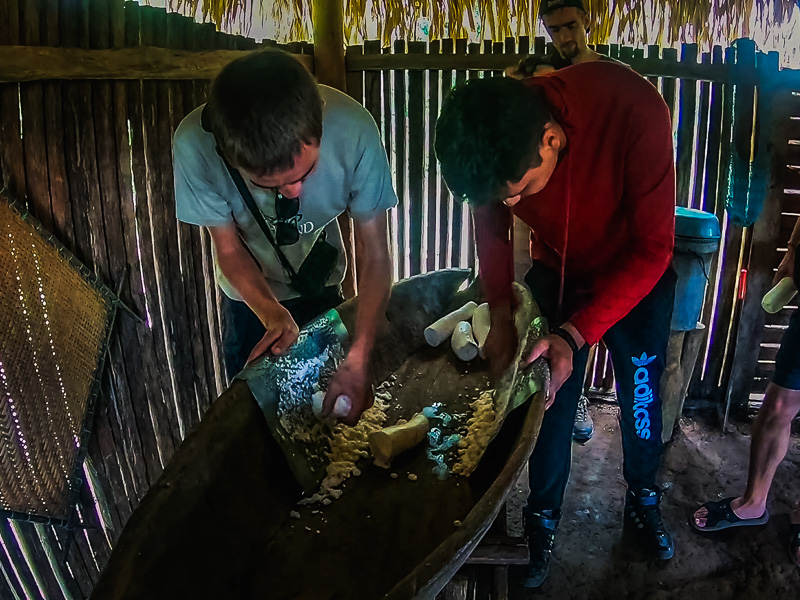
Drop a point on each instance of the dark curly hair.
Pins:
(488, 134)
(262, 109)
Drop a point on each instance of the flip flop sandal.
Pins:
(794, 542)
(721, 516)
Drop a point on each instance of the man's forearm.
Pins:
(246, 278)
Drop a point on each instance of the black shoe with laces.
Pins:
(643, 516)
(540, 530)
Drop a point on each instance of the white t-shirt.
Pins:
(352, 174)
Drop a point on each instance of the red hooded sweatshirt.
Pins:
(605, 220)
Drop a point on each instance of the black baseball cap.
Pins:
(548, 6)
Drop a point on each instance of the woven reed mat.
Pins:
(54, 323)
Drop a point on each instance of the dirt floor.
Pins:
(592, 560)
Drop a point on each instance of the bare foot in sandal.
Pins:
(730, 512)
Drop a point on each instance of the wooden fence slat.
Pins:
(34, 141)
(160, 403)
(670, 55)
(701, 151)
(399, 122)
(446, 200)
(433, 176)
(17, 564)
(710, 189)
(456, 221)
(203, 280)
(44, 577)
(417, 213)
(729, 245)
(175, 38)
(61, 569)
(171, 322)
(687, 122)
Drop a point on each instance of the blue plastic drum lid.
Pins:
(696, 231)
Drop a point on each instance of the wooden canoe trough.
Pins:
(217, 523)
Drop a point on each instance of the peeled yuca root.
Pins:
(463, 342)
(443, 328)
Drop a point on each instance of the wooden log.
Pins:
(37, 63)
(417, 201)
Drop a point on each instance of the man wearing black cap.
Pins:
(567, 23)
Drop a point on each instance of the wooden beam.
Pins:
(328, 17)
(34, 63)
(645, 66)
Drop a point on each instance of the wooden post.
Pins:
(327, 17)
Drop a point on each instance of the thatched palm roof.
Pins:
(634, 21)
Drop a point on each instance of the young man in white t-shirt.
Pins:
(302, 154)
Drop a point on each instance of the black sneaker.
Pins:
(540, 530)
(583, 429)
(643, 515)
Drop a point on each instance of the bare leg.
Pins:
(770, 441)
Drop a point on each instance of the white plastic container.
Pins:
(779, 296)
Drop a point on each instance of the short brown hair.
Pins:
(263, 108)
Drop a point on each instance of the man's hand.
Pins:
(786, 268)
(559, 355)
(501, 343)
(351, 380)
(281, 333)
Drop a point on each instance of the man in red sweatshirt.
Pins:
(583, 156)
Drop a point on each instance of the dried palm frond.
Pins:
(634, 21)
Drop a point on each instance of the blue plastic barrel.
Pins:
(697, 238)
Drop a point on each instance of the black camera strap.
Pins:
(250, 203)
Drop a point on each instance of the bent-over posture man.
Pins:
(771, 431)
(596, 184)
(267, 166)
